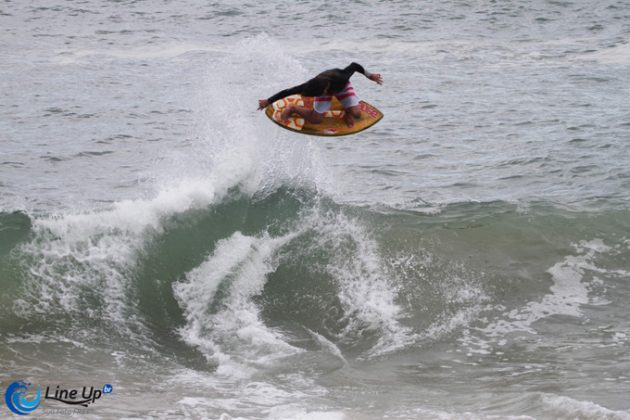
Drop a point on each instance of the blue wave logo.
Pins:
(16, 400)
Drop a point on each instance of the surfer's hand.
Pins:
(262, 103)
(376, 77)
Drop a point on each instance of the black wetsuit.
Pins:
(335, 80)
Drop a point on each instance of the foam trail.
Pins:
(328, 345)
(257, 398)
(221, 318)
(557, 406)
(568, 292)
(366, 290)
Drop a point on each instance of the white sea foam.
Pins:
(290, 413)
(367, 292)
(328, 345)
(435, 414)
(571, 289)
(557, 406)
(94, 252)
(227, 328)
(227, 395)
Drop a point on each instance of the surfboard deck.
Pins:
(333, 123)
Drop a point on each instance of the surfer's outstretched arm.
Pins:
(317, 86)
(356, 67)
(262, 103)
(376, 77)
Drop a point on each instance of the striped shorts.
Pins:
(346, 96)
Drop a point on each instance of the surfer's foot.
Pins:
(351, 114)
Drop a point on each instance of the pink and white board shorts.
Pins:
(347, 97)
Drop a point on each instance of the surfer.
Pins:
(334, 82)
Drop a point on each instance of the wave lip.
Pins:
(82, 264)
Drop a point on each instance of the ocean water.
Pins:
(467, 257)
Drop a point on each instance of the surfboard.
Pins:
(333, 123)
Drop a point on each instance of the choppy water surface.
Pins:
(466, 257)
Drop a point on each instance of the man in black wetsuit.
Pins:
(323, 86)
